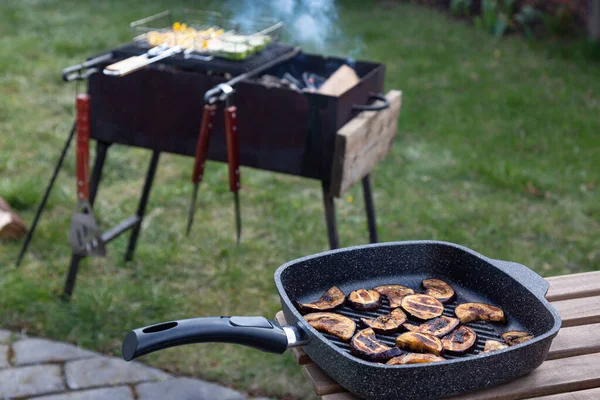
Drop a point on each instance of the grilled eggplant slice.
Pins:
(422, 306)
(364, 300)
(493, 345)
(390, 323)
(440, 326)
(513, 338)
(332, 323)
(438, 289)
(414, 358)
(331, 299)
(394, 293)
(366, 346)
(409, 326)
(468, 312)
(420, 343)
(460, 340)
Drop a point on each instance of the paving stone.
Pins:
(186, 389)
(115, 393)
(35, 351)
(3, 356)
(4, 335)
(30, 381)
(100, 371)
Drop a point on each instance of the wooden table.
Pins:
(571, 371)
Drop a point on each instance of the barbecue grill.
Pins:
(159, 108)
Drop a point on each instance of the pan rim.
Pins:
(550, 334)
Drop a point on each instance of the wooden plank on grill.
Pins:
(574, 286)
(362, 143)
(341, 396)
(590, 394)
(552, 377)
(574, 341)
(299, 355)
(579, 311)
(322, 384)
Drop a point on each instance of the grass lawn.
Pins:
(498, 149)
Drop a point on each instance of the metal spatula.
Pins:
(85, 236)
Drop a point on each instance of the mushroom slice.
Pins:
(331, 299)
(513, 338)
(422, 306)
(334, 324)
(468, 312)
(440, 326)
(419, 343)
(438, 289)
(394, 293)
(386, 323)
(364, 300)
(460, 340)
(493, 345)
(414, 358)
(365, 345)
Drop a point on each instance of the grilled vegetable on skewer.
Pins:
(394, 293)
(460, 340)
(334, 324)
(331, 299)
(363, 299)
(493, 345)
(386, 323)
(440, 326)
(469, 312)
(422, 306)
(420, 343)
(414, 358)
(513, 338)
(365, 345)
(438, 289)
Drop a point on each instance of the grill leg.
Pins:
(332, 232)
(142, 206)
(370, 209)
(101, 150)
(42, 205)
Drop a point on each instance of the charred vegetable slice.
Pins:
(331, 299)
(469, 312)
(422, 306)
(335, 324)
(419, 343)
(409, 326)
(394, 293)
(513, 338)
(363, 299)
(386, 323)
(460, 340)
(440, 326)
(438, 289)
(414, 358)
(493, 345)
(365, 345)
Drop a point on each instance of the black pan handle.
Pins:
(74, 72)
(373, 107)
(257, 332)
(531, 280)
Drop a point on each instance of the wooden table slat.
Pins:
(321, 382)
(552, 377)
(590, 394)
(565, 287)
(579, 311)
(575, 341)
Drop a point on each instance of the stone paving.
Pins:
(40, 369)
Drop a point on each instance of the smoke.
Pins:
(312, 24)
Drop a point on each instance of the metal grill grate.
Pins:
(484, 330)
(215, 65)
